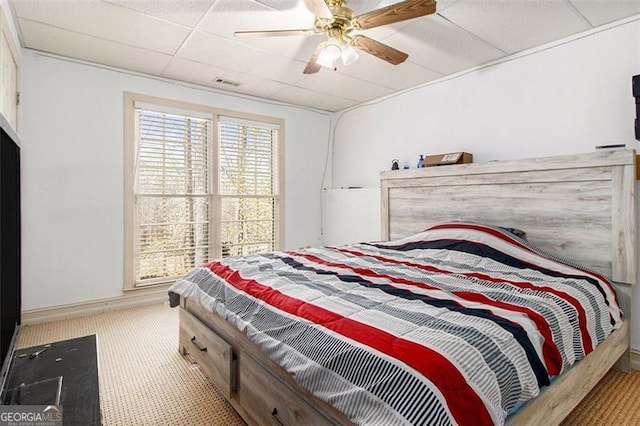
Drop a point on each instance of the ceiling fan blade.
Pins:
(402, 11)
(379, 50)
(318, 8)
(312, 66)
(275, 33)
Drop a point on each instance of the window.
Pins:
(199, 184)
(246, 181)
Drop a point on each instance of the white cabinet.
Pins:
(9, 74)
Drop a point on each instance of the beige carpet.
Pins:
(145, 381)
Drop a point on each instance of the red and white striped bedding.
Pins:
(454, 325)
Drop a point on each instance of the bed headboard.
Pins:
(581, 207)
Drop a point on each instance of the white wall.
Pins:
(72, 176)
(343, 211)
(562, 99)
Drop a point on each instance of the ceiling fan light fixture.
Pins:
(349, 54)
(337, 21)
(330, 54)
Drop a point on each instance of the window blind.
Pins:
(171, 190)
(199, 184)
(247, 186)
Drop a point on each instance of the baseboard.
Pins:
(635, 359)
(147, 296)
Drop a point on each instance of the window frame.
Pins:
(214, 196)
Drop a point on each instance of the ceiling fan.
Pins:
(338, 22)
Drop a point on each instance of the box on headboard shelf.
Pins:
(450, 158)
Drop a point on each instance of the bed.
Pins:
(285, 353)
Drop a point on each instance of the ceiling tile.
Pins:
(229, 16)
(196, 72)
(183, 12)
(338, 84)
(106, 21)
(78, 46)
(441, 46)
(218, 51)
(603, 12)
(296, 47)
(402, 76)
(313, 99)
(516, 26)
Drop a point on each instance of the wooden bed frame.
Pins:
(581, 207)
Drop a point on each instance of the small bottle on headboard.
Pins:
(420, 161)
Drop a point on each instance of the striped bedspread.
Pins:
(454, 325)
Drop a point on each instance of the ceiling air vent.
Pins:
(221, 80)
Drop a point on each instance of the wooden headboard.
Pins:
(581, 207)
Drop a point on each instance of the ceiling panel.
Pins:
(206, 75)
(221, 52)
(338, 84)
(229, 16)
(441, 46)
(107, 21)
(528, 24)
(295, 47)
(603, 12)
(398, 77)
(193, 41)
(79, 46)
(313, 99)
(183, 12)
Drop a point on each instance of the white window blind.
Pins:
(171, 195)
(248, 186)
(199, 184)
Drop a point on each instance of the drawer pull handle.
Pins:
(195, 342)
(274, 416)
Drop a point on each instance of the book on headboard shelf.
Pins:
(449, 158)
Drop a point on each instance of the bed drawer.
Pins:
(212, 353)
(270, 401)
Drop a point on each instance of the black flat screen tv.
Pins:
(10, 285)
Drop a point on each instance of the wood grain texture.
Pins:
(312, 66)
(379, 50)
(587, 160)
(580, 207)
(213, 353)
(396, 12)
(624, 233)
(625, 292)
(532, 207)
(271, 401)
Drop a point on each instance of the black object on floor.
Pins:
(63, 373)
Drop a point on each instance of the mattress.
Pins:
(458, 324)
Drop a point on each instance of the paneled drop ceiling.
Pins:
(192, 41)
